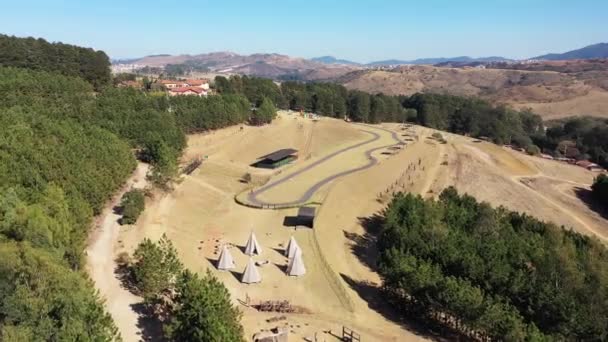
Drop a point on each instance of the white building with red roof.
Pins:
(195, 91)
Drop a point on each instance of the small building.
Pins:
(565, 160)
(194, 91)
(306, 216)
(276, 159)
(171, 84)
(204, 84)
(589, 165)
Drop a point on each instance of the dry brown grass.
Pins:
(341, 285)
(551, 94)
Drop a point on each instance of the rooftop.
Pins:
(306, 211)
(185, 89)
(279, 154)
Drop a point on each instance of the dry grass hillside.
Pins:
(551, 94)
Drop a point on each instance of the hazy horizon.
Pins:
(357, 31)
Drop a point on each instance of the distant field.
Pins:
(551, 94)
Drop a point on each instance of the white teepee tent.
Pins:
(226, 262)
(292, 246)
(252, 247)
(251, 274)
(296, 265)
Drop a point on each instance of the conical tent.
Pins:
(226, 262)
(251, 274)
(296, 265)
(252, 247)
(292, 246)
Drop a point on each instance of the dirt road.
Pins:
(101, 263)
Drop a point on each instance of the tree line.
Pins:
(56, 173)
(578, 138)
(326, 99)
(490, 272)
(70, 60)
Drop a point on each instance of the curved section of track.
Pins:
(252, 197)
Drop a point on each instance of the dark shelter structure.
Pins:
(276, 159)
(306, 216)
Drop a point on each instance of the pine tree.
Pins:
(203, 311)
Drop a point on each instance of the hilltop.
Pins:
(270, 65)
(549, 93)
(588, 52)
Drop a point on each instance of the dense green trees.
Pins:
(198, 114)
(475, 117)
(38, 54)
(600, 190)
(495, 272)
(43, 300)
(61, 172)
(56, 172)
(254, 88)
(578, 137)
(327, 99)
(203, 311)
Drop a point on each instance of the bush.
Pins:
(132, 203)
(600, 189)
(533, 150)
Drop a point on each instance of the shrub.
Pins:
(132, 203)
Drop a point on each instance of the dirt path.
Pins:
(521, 181)
(432, 174)
(101, 263)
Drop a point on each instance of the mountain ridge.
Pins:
(599, 50)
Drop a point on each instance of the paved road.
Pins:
(252, 197)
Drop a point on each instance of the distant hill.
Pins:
(269, 65)
(432, 61)
(388, 62)
(588, 52)
(332, 60)
(552, 89)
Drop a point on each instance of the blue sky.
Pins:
(358, 30)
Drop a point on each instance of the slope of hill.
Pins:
(332, 60)
(269, 65)
(550, 94)
(588, 52)
(430, 61)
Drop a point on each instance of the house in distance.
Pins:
(276, 159)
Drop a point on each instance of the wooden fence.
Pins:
(348, 335)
